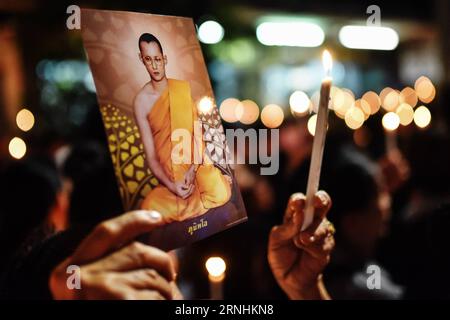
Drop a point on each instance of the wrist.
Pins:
(311, 290)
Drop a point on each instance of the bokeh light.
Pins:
(389, 99)
(405, 113)
(216, 266)
(272, 116)
(210, 32)
(425, 89)
(364, 107)
(25, 120)
(315, 100)
(390, 121)
(408, 95)
(205, 105)
(334, 92)
(422, 117)
(299, 103)
(354, 118)
(279, 33)
(373, 100)
(247, 112)
(344, 100)
(312, 121)
(368, 37)
(228, 109)
(17, 148)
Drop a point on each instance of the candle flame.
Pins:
(216, 266)
(390, 121)
(327, 61)
(205, 105)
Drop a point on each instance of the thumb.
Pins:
(116, 232)
(293, 218)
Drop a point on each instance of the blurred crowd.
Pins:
(390, 209)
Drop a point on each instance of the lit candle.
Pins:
(390, 122)
(205, 105)
(216, 274)
(319, 141)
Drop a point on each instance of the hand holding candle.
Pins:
(319, 141)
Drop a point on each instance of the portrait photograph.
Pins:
(163, 128)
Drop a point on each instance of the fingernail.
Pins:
(322, 198)
(155, 215)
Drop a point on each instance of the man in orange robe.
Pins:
(162, 107)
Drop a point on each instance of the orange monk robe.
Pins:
(175, 110)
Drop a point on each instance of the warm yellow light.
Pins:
(425, 89)
(312, 121)
(344, 100)
(373, 100)
(228, 109)
(409, 96)
(364, 106)
(25, 120)
(422, 117)
(216, 266)
(315, 100)
(389, 99)
(350, 93)
(272, 116)
(405, 113)
(299, 103)
(354, 118)
(247, 112)
(334, 92)
(17, 148)
(430, 97)
(205, 105)
(327, 62)
(390, 121)
(384, 92)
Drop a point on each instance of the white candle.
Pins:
(216, 274)
(391, 141)
(319, 142)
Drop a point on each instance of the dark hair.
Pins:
(148, 37)
(28, 190)
(351, 182)
(95, 196)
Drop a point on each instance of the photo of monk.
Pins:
(164, 132)
(195, 188)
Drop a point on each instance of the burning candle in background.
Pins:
(205, 105)
(319, 140)
(216, 274)
(390, 123)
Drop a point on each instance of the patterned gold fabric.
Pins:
(127, 152)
